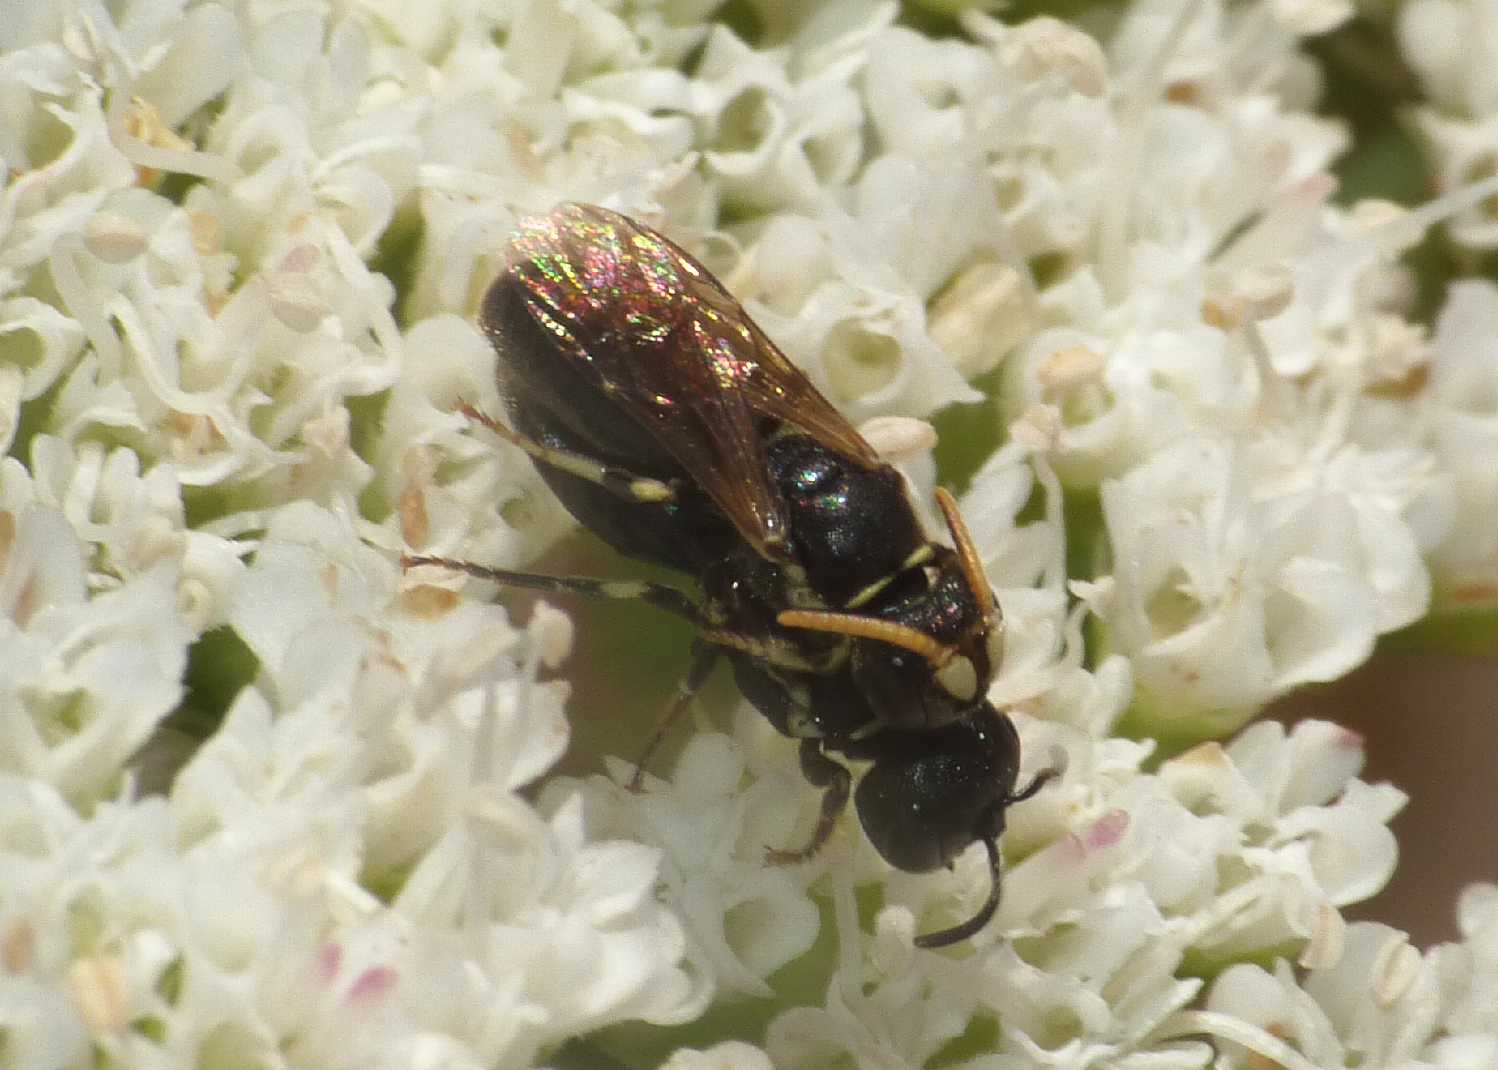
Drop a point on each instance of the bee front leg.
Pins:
(822, 772)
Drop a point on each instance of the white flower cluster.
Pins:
(238, 243)
(1447, 43)
(382, 745)
(1231, 375)
(1381, 1003)
(1463, 422)
(344, 873)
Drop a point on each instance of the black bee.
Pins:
(671, 426)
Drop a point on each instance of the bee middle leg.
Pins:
(704, 657)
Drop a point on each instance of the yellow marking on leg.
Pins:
(651, 490)
(626, 484)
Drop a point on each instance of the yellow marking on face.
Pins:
(919, 556)
(959, 679)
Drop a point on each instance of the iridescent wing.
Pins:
(662, 338)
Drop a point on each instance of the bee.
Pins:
(668, 423)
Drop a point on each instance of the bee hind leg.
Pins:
(660, 595)
(620, 482)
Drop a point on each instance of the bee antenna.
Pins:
(859, 627)
(967, 554)
(973, 925)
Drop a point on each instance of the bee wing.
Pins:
(664, 341)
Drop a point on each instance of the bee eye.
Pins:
(959, 679)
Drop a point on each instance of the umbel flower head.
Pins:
(268, 800)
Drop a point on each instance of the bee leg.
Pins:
(704, 658)
(1038, 781)
(658, 595)
(825, 773)
(617, 481)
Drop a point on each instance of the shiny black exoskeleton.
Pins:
(669, 425)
